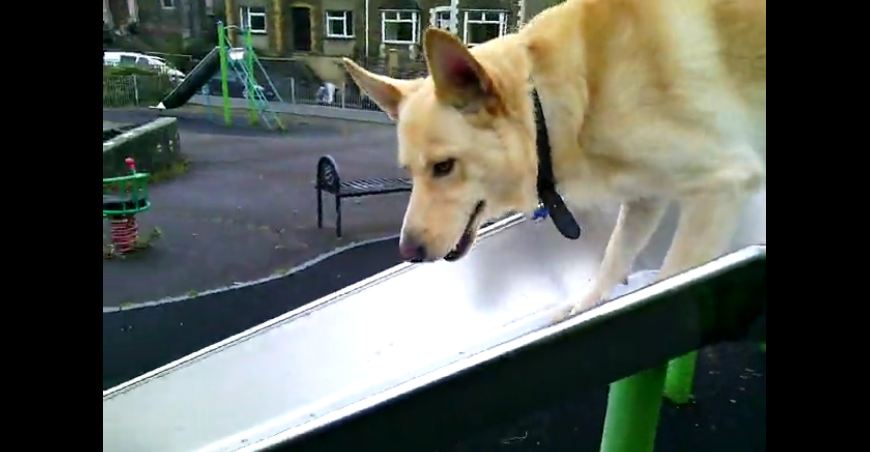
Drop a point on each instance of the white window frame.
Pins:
(440, 23)
(394, 17)
(500, 19)
(170, 6)
(339, 16)
(245, 18)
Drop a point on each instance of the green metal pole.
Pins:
(222, 43)
(681, 375)
(633, 407)
(249, 62)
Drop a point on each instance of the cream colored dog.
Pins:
(646, 102)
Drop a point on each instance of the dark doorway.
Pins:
(301, 28)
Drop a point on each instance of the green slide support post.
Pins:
(680, 378)
(633, 409)
(225, 89)
(253, 118)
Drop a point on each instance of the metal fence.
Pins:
(136, 90)
(347, 95)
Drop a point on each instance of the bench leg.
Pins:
(319, 209)
(338, 216)
(633, 408)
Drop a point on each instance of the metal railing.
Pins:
(342, 96)
(134, 90)
(139, 90)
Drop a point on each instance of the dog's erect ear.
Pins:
(385, 91)
(459, 78)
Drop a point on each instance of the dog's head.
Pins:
(465, 137)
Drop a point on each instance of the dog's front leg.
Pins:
(637, 222)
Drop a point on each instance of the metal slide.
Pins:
(198, 76)
(362, 349)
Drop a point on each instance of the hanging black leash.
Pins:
(551, 202)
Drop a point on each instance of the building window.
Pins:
(339, 24)
(399, 27)
(439, 17)
(483, 25)
(167, 4)
(253, 18)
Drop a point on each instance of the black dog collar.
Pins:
(551, 200)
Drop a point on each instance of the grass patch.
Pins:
(170, 172)
(144, 241)
(280, 271)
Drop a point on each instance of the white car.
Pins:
(144, 61)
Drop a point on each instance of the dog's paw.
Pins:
(588, 302)
(562, 314)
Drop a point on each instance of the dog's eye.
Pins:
(444, 168)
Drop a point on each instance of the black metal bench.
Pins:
(328, 180)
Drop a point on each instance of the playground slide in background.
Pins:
(197, 77)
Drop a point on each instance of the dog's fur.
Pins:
(646, 101)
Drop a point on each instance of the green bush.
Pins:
(119, 71)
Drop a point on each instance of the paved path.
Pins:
(247, 207)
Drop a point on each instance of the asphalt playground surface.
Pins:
(246, 209)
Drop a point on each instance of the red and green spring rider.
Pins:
(123, 198)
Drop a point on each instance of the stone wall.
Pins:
(155, 146)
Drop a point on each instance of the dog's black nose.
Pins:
(411, 251)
